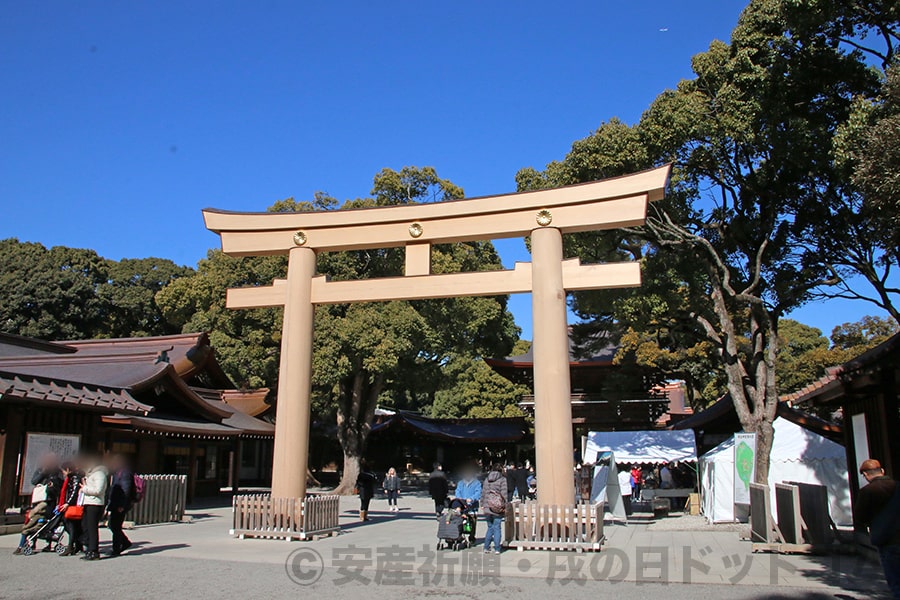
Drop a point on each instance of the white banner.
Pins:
(744, 466)
(39, 444)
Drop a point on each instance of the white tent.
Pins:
(797, 455)
(642, 446)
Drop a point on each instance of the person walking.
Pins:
(493, 495)
(71, 504)
(438, 488)
(510, 474)
(521, 481)
(878, 508)
(365, 485)
(392, 489)
(625, 488)
(94, 486)
(121, 497)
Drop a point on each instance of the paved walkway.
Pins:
(399, 549)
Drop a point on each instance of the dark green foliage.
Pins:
(71, 293)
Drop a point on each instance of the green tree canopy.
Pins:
(71, 293)
(738, 242)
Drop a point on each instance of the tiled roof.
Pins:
(496, 430)
(722, 417)
(189, 353)
(829, 380)
(248, 425)
(173, 426)
(68, 393)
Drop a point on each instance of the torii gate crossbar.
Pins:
(545, 215)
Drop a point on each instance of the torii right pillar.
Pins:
(552, 387)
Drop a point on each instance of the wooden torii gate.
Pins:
(544, 215)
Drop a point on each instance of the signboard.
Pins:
(605, 486)
(39, 444)
(744, 466)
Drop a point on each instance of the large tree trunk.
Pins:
(765, 436)
(751, 379)
(356, 411)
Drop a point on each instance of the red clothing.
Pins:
(636, 476)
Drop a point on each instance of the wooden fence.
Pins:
(529, 525)
(262, 516)
(164, 500)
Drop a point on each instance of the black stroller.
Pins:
(52, 530)
(456, 527)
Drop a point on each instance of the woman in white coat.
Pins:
(96, 480)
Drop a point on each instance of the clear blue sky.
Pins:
(121, 120)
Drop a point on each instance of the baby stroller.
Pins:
(456, 527)
(52, 530)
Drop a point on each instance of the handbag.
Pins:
(74, 513)
(39, 493)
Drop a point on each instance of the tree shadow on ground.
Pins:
(858, 575)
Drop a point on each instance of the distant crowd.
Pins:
(471, 496)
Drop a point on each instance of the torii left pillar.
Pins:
(291, 454)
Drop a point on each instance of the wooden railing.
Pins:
(262, 516)
(529, 525)
(164, 500)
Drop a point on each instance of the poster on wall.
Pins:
(744, 466)
(39, 444)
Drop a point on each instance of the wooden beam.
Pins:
(480, 283)
(651, 182)
(418, 259)
(510, 222)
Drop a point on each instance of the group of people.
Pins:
(471, 495)
(634, 479)
(520, 479)
(366, 483)
(81, 491)
(631, 481)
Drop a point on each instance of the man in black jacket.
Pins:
(878, 507)
(438, 488)
(121, 497)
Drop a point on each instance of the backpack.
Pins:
(137, 489)
(495, 502)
